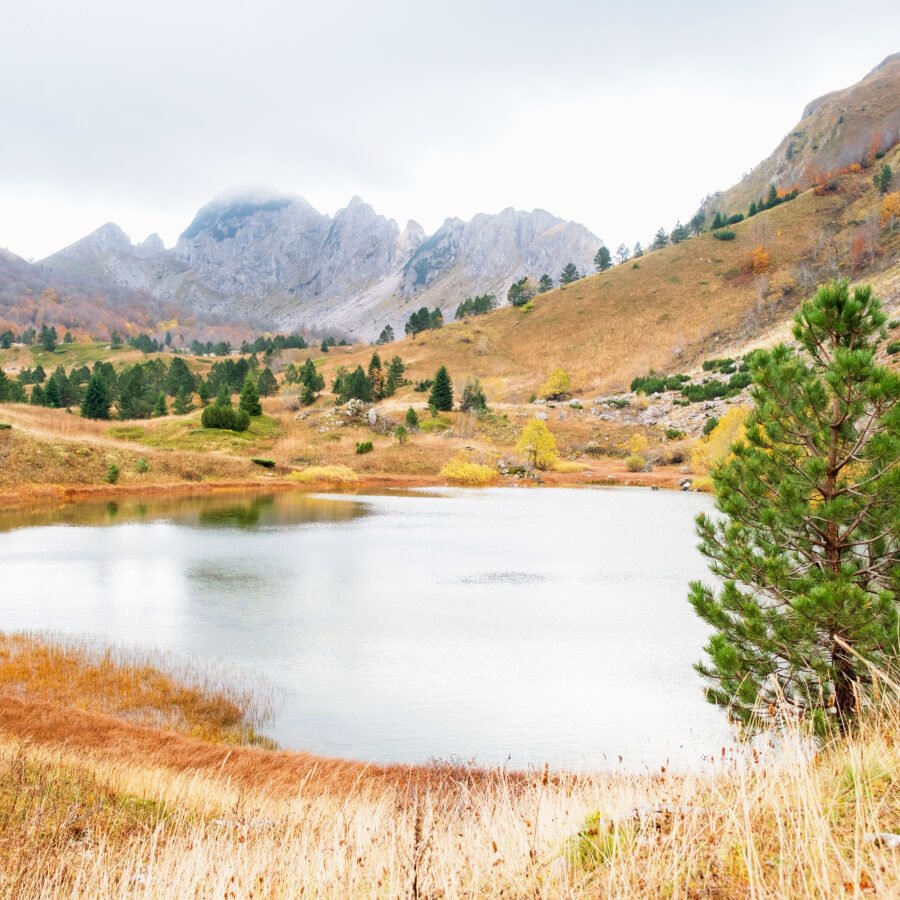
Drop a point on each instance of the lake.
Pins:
(507, 625)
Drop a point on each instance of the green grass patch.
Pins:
(438, 423)
(188, 435)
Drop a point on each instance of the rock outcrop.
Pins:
(277, 258)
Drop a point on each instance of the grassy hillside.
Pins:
(837, 130)
(669, 309)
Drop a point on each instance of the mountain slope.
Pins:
(835, 131)
(673, 308)
(276, 257)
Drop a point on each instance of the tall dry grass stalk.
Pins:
(778, 822)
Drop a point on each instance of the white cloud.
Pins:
(140, 113)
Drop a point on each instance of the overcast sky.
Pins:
(621, 116)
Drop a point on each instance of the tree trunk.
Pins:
(844, 676)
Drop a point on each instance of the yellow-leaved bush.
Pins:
(715, 448)
(538, 445)
(460, 470)
(557, 385)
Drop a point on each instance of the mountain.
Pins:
(276, 258)
(835, 131)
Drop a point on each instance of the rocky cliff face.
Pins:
(278, 258)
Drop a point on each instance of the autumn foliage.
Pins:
(761, 260)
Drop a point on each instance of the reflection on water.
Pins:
(530, 625)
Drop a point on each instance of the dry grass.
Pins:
(92, 806)
(89, 825)
(124, 682)
(337, 475)
(460, 470)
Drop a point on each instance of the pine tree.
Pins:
(386, 336)
(182, 405)
(96, 402)
(52, 396)
(396, 370)
(38, 397)
(753, 209)
(638, 250)
(569, 274)
(203, 391)
(376, 377)
(602, 259)
(266, 384)
(473, 399)
(412, 419)
(809, 549)
(660, 239)
(545, 284)
(441, 396)
(160, 408)
(698, 220)
(883, 178)
(249, 400)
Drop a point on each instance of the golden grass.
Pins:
(334, 474)
(91, 807)
(792, 826)
(123, 682)
(461, 471)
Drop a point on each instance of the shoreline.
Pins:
(31, 495)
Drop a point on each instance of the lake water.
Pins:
(501, 625)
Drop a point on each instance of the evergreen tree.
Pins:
(545, 283)
(160, 408)
(96, 402)
(441, 396)
(473, 399)
(310, 378)
(753, 209)
(52, 396)
(660, 239)
(883, 178)
(67, 338)
(49, 338)
(180, 378)
(203, 392)
(307, 395)
(267, 384)
(602, 259)
(412, 419)
(435, 319)
(680, 233)
(638, 250)
(386, 336)
(249, 400)
(136, 399)
(569, 274)
(809, 549)
(519, 292)
(718, 221)
(622, 254)
(376, 377)
(355, 386)
(698, 220)
(182, 405)
(396, 370)
(5, 387)
(38, 397)
(115, 340)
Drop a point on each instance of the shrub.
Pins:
(460, 471)
(112, 473)
(473, 399)
(363, 447)
(227, 417)
(330, 474)
(636, 463)
(412, 419)
(724, 235)
(673, 434)
(656, 384)
(538, 445)
(142, 466)
(719, 435)
(893, 347)
(709, 425)
(557, 385)
(265, 463)
(424, 385)
(401, 434)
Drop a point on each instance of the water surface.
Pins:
(506, 624)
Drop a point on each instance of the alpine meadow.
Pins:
(496, 552)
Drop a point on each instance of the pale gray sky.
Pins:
(619, 116)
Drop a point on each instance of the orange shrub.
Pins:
(761, 260)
